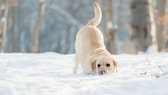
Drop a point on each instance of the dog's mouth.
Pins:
(102, 72)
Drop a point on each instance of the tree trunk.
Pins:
(35, 34)
(12, 43)
(142, 23)
(164, 20)
(161, 8)
(110, 30)
(3, 22)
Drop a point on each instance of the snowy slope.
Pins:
(51, 74)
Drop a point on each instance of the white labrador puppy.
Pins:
(90, 49)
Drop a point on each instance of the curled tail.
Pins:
(98, 15)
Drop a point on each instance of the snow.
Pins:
(51, 74)
(109, 25)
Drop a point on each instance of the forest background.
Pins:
(36, 26)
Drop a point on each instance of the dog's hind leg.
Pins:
(75, 70)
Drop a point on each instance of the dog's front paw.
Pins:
(74, 71)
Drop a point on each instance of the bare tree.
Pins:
(110, 30)
(161, 8)
(3, 21)
(12, 43)
(143, 25)
(35, 34)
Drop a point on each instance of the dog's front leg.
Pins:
(75, 70)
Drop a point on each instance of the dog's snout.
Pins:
(102, 72)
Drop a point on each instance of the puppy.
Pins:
(90, 50)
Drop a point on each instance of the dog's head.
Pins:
(104, 65)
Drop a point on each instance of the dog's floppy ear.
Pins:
(93, 66)
(91, 61)
(115, 62)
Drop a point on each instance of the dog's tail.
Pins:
(98, 15)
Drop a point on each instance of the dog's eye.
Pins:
(98, 65)
(108, 65)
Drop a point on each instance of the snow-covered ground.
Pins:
(51, 74)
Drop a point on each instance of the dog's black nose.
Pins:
(102, 72)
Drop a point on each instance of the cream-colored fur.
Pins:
(90, 49)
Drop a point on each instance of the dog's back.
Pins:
(90, 37)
